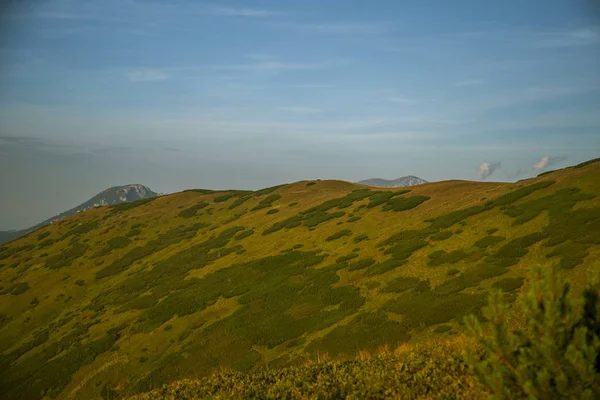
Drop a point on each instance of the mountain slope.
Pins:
(113, 195)
(123, 299)
(400, 182)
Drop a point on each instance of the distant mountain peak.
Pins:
(409, 180)
(110, 196)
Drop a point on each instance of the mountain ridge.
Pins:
(125, 298)
(409, 180)
(110, 196)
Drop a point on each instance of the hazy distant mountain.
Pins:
(409, 180)
(113, 195)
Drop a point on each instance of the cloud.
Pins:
(546, 161)
(487, 169)
(172, 149)
(468, 82)
(147, 75)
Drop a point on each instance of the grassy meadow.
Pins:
(315, 288)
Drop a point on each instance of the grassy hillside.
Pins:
(122, 299)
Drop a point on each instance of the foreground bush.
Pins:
(434, 370)
(557, 356)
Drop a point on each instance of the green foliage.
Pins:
(509, 284)
(43, 235)
(67, 256)
(586, 163)
(311, 183)
(9, 251)
(379, 198)
(488, 241)
(404, 203)
(239, 201)
(79, 282)
(434, 307)
(361, 264)
(133, 232)
(193, 210)
(426, 371)
(518, 194)
(46, 243)
(491, 231)
(164, 240)
(452, 271)
(295, 203)
(43, 375)
(118, 242)
(400, 284)
(244, 234)
(268, 190)
(16, 289)
(385, 266)
(364, 332)
(556, 356)
(572, 254)
(340, 234)
(273, 211)
(441, 235)
(346, 258)
(454, 217)
(353, 219)
(122, 207)
(267, 201)
(201, 191)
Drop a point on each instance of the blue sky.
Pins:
(183, 94)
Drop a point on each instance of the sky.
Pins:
(249, 94)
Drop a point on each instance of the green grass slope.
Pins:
(123, 299)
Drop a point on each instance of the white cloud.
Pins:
(147, 75)
(546, 161)
(486, 169)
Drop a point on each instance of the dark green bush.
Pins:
(488, 241)
(273, 211)
(404, 203)
(385, 266)
(293, 204)
(442, 235)
(239, 201)
(267, 202)
(361, 264)
(121, 207)
(557, 355)
(353, 219)
(360, 238)
(508, 284)
(400, 284)
(193, 210)
(311, 183)
(340, 234)
(118, 242)
(244, 234)
(346, 258)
